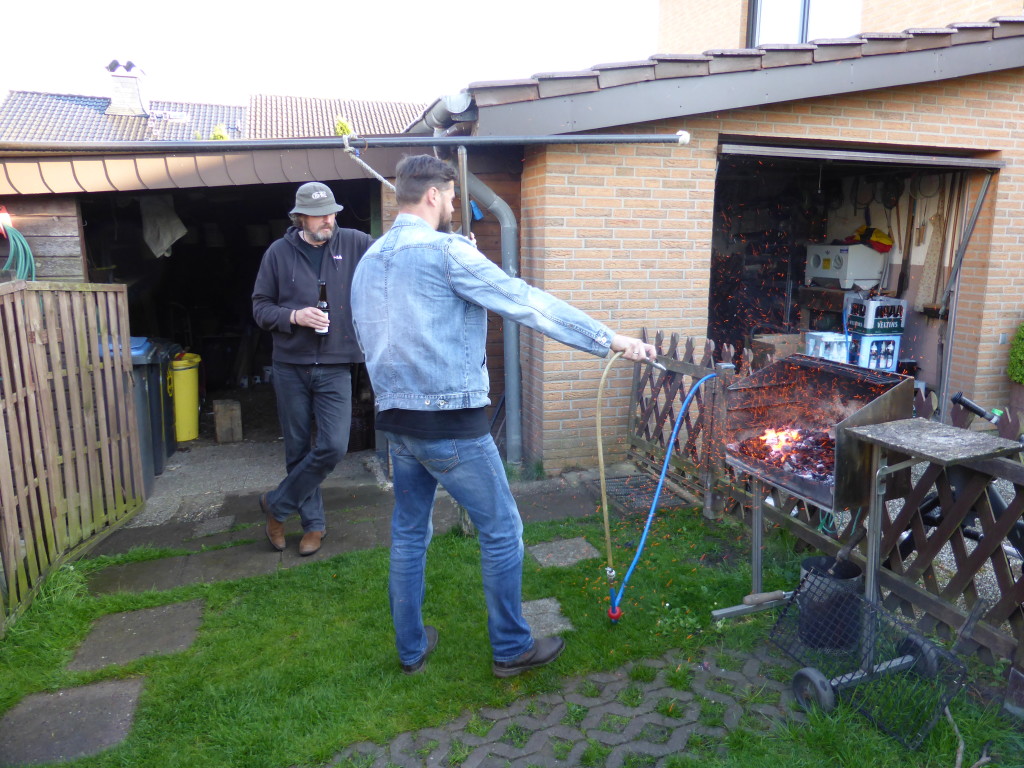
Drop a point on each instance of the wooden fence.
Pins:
(935, 571)
(70, 465)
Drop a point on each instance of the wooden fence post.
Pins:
(713, 470)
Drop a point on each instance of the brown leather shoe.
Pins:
(310, 543)
(275, 528)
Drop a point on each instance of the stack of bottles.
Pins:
(875, 327)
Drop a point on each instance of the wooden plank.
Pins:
(13, 384)
(41, 411)
(50, 247)
(46, 225)
(60, 268)
(80, 503)
(59, 417)
(99, 350)
(15, 574)
(138, 490)
(42, 205)
(227, 417)
(87, 351)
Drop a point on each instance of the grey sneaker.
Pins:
(544, 651)
(412, 669)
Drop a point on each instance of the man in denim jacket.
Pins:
(420, 297)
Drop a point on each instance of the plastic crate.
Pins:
(876, 351)
(879, 315)
(827, 345)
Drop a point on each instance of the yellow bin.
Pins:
(185, 377)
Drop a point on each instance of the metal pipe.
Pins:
(342, 143)
(486, 197)
(464, 189)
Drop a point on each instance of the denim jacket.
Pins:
(419, 303)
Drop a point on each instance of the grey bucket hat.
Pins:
(315, 199)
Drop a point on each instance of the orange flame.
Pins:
(779, 440)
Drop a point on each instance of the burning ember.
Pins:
(811, 454)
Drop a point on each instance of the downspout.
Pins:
(441, 118)
(486, 197)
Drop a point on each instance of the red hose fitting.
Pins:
(615, 614)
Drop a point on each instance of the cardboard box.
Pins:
(779, 345)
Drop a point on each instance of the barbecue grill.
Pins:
(819, 396)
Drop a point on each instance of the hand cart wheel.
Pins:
(811, 687)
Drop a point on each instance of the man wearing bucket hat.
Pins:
(313, 355)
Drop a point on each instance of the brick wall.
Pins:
(624, 233)
(693, 26)
(488, 240)
(897, 15)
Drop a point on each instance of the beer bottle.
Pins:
(321, 304)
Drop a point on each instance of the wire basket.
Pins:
(857, 652)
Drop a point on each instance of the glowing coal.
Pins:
(807, 453)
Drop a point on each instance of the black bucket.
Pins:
(830, 603)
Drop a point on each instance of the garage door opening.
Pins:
(859, 250)
(197, 296)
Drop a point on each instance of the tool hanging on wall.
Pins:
(929, 275)
(903, 280)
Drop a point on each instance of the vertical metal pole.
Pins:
(875, 512)
(756, 534)
(464, 189)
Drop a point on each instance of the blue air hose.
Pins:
(614, 612)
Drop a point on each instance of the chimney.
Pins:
(127, 93)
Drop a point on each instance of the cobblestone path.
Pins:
(638, 716)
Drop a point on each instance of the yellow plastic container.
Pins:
(185, 377)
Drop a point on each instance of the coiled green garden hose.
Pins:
(20, 259)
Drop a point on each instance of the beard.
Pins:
(445, 224)
(321, 235)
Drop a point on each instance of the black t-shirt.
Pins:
(461, 423)
(314, 253)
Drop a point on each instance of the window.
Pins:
(797, 21)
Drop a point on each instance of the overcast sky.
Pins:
(220, 51)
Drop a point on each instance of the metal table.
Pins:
(921, 440)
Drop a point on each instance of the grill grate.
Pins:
(636, 492)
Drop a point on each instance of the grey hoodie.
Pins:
(286, 281)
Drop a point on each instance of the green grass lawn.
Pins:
(290, 668)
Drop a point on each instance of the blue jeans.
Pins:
(305, 393)
(472, 472)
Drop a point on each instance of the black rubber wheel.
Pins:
(926, 657)
(812, 688)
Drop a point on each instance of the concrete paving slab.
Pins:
(545, 617)
(563, 553)
(162, 574)
(68, 724)
(119, 638)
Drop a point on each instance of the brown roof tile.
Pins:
(294, 117)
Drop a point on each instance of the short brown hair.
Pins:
(415, 174)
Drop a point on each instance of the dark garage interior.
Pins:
(198, 297)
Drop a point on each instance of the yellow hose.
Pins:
(600, 461)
